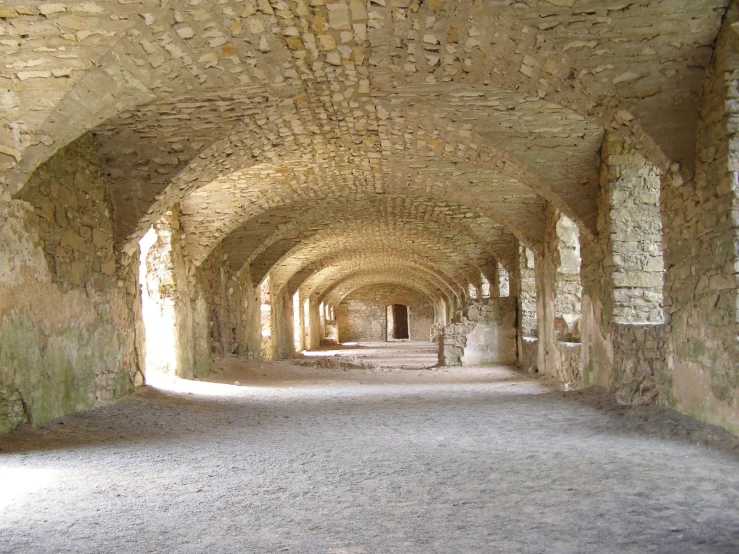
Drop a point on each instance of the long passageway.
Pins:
(342, 453)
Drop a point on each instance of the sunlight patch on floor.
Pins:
(17, 483)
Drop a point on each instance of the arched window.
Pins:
(504, 285)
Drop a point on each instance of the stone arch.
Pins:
(391, 238)
(336, 291)
(457, 244)
(543, 64)
(334, 270)
(278, 224)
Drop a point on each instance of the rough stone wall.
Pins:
(570, 362)
(596, 273)
(528, 353)
(701, 253)
(485, 334)
(597, 308)
(213, 279)
(635, 225)
(559, 300)
(527, 294)
(70, 198)
(332, 333)
(243, 302)
(282, 326)
(551, 326)
(361, 315)
(567, 287)
(622, 282)
(66, 302)
(639, 370)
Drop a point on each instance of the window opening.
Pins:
(504, 285)
(485, 288)
(568, 288)
(527, 292)
(156, 275)
(265, 308)
(472, 290)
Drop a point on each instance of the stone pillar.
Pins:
(622, 275)
(526, 299)
(315, 325)
(633, 222)
(545, 273)
(493, 278)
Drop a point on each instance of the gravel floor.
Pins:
(330, 460)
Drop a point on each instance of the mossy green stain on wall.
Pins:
(68, 371)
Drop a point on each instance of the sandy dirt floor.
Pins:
(345, 453)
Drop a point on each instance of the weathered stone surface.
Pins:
(66, 327)
(486, 334)
(361, 315)
(439, 146)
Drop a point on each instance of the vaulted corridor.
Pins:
(369, 275)
(322, 459)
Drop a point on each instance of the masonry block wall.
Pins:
(312, 144)
(67, 299)
(701, 232)
(485, 334)
(361, 316)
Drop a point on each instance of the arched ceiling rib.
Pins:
(606, 60)
(480, 237)
(403, 278)
(359, 282)
(436, 146)
(449, 123)
(336, 268)
(391, 237)
(218, 210)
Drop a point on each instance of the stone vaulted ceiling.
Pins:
(336, 143)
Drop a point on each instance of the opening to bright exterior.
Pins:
(485, 287)
(297, 327)
(265, 308)
(504, 284)
(158, 301)
(472, 291)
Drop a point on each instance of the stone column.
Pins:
(633, 222)
(545, 272)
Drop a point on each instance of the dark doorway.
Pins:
(399, 322)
